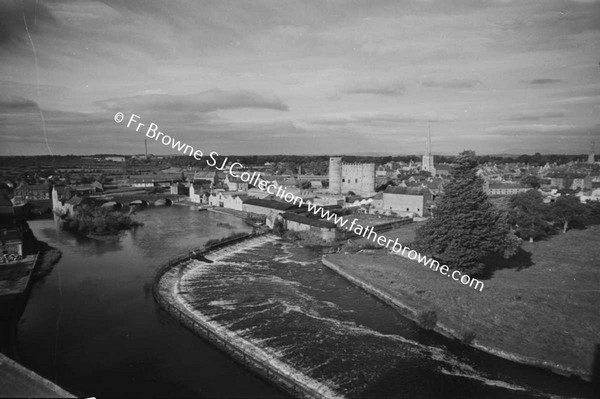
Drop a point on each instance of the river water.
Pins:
(92, 325)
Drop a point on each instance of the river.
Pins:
(93, 327)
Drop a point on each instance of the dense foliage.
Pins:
(533, 219)
(529, 215)
(98, 221)
(466, 228)
(568, 209)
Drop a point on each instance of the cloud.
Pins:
(384, 89)
(207, 101)
(451, 83)
(16, 104)
(537, 127)
(543, 81)
(15, 13)
(532, 116)
(364, 118)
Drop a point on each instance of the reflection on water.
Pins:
(92, 324)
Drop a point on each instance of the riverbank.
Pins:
(17, 381)
(543, 314)
(167, 294)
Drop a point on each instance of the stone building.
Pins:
(321, 229)
(406, 201)
(358, 178)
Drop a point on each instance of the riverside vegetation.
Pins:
(90, 220)
(540, 304)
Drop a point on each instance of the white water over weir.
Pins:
(274, 307)
(169, 292)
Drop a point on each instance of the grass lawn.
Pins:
(543, 307)
(405, 234)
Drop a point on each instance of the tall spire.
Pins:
(429, 138)
(427, 164)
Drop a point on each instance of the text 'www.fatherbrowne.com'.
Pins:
(151, 131)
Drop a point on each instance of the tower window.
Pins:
(355, 180)
(343, 180)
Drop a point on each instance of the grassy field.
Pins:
(542, 307)
(404, 234)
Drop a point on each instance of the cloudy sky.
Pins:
(300, 77)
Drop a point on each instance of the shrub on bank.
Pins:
(427, 319)
(468, 337)
(98, 221)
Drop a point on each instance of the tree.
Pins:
(531, 181)
(467, 228)
(385, 185)
(529, 215)
(568, 209)
(593, 208)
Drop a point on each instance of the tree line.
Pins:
(467, 230)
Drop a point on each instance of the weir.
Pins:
(167, 292)
(275, 308)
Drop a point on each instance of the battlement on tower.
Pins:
(358, 178)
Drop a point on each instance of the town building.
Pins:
(11, 232)
(498, 188)
(227, 200)
(317, 228)
(115, 159)
(143, 183)
(267, 207)
(443, 170)
(198, 190)
(405, 201)
(179, 189)
(573, 181)
(235, 183)
(355, 177)
(25, 192)
(210, 175)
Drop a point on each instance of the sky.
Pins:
(300, 77)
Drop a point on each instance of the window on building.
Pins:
(355, 180)
(343, 180)
(406, 209)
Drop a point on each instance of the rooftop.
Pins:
(405, 190)
(265, 203)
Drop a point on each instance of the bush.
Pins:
(370, 245)
(96, 220)
(468, 337)
(427, 319)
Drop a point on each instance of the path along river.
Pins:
(93, 327)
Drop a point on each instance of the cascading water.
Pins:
(280, 300)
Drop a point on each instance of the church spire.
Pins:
(428, 164)
(429, 138)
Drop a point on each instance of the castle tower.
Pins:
(428, 165)
(591, 155)
(335, 175)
